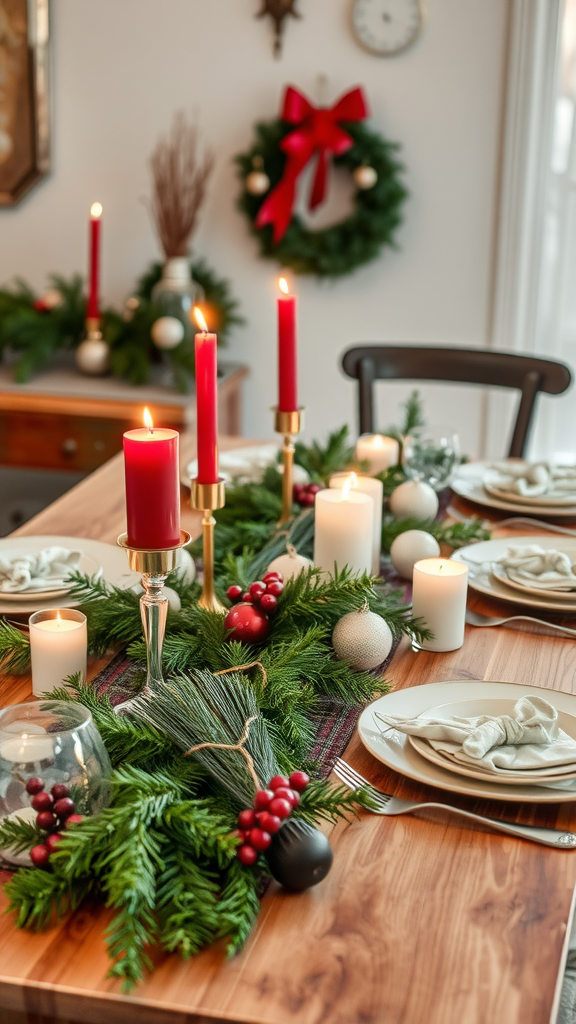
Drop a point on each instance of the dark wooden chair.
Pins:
(528, 374)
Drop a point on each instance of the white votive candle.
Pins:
(27, 748)
(439, 589)
(379, 451)
(375, 490)
(343, 530)
(58, 647)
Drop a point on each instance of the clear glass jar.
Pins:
(56, 741)
(176, 293)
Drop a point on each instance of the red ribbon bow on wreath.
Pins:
(318, 132)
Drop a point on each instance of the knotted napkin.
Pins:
(39, 570)
(545, 569)
(533, 479)
(528, 738)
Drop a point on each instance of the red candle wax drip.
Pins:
(152, 488)
(287, 372)
(92, 308)
(206, 403)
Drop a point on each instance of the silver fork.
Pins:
(393, 805)
(477, 619)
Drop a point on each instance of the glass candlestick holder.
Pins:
(155, 567)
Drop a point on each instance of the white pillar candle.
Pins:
(379, 451)
(343, 530)
(439, 589)
(375, 490)
(58, 647)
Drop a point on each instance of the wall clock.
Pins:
(386, 27)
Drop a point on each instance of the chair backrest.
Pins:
(528, 374)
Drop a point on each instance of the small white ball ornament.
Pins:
(414, 499)
(52, 298)
(362, 639)
(257, 183)
(409, 547)
(167, 332)
(93, 357)
(289, 565)
(365, 177)
(186, 568)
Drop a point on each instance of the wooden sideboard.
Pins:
(63, 421)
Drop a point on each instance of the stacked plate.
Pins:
(486, 485)
(416, 758)
(488, 576)
(97, 559)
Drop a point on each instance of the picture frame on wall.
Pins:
(24, 97)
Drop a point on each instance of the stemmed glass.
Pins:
(432, 454)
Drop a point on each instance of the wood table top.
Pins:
(421, 918)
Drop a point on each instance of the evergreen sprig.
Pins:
(14, 648)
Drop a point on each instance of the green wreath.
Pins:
(339, 249)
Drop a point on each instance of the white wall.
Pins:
(120, 69)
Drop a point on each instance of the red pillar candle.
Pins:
(287, 376)
(92, 308)
(206, 402)
(152, 486)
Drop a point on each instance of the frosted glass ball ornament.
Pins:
(414, 499)
(362, 639)
(93, 357)
(257, 183)
(290, 565)
(365, 177)
(167, 332)
(409, 547)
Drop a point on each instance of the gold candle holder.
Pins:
(154, 567)
(206, 498)
(289, 424)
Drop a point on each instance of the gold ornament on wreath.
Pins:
(270, 169)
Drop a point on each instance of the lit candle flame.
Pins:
(58, 616)
(378, 441)
(351, 482)
(148, 422)
(96, 210)
(199, 318)
(283, 285)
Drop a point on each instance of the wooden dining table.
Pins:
(421, 919)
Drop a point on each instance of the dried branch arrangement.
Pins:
(179, 181)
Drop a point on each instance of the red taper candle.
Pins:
(92, 308)
(206, 402)
(287, 373)
(152, 486)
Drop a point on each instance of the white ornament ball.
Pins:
(414, 499)
(186, 568)
(289, 565)
(257, 183)
(299, 474)
(167, 332)
(93, 357)
(52, 298)
(363, 639)
(365, 177)
(409, 547)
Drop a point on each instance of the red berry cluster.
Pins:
(55, 811)
(304, 494)
(271, 806)
(264, 593)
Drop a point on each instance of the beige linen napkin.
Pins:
(39, 570)
(533, 479)
(532, 564)
(528, 738)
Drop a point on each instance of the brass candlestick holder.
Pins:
(289, 424)
(206, 498)
(154, 566)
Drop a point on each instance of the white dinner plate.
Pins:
(495, 707)
(88, 565)
(480, 558)
(393, 749)
(246, 465)
(469, 484)
(109, 560)
(526, 588)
